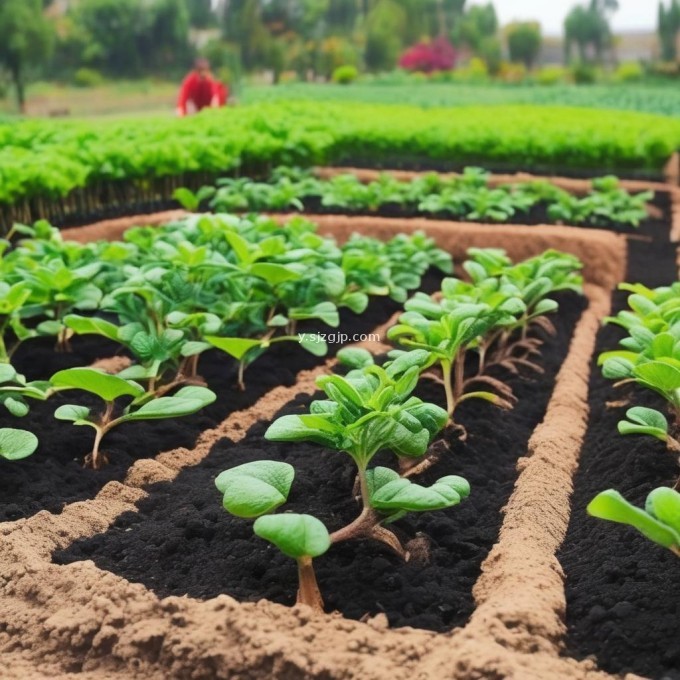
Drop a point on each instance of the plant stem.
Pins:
(450, 400)
(241, 369)
(308, 589)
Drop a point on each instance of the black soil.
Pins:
(181, 541)
(54, 475)
(623, 599)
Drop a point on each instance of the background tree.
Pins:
(587, 26)
(477, 24)
(668, 29)
(385, 26)
(524, 42)
(201, 13)
(27, 39)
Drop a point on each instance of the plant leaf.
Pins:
(294, 535)
(256, 488)
(16, 444)
(108, 387)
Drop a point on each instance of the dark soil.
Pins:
(181, 542)
(623, 600)
(54, 476)
(655, 229)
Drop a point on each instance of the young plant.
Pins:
(659, 521)
(15, 391)
(109, 388)
(253, 490)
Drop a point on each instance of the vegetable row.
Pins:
(495, 318)
(650, 360)
(48, 160)
(467, 196)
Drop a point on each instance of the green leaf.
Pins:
(72, 412)
(202, 394)
(617, 369)
(165, 407)
(644, 421)
(324, 311)
(664, 504)
(314, 344)
(7, 373)
(108, 387)
(16, 407)
(355, 357)
(16, 444)
(273, 273)
(235, 347)
(612, 506)
(186, 198)
(659, 376)
(83, 325)
(254, 489)
(294, 535)
(389, 492)
(314, 428)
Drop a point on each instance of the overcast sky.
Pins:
(631, 15)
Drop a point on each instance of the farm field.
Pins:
(311, 389)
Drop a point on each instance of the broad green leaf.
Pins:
(389, 492)
(16, 407)
(83, 325)
(235, 347)
(202, 394)
(16, 444)
(612, 506)
(659, 376)
(273, 273)
(617, 369)
(254, 489)
(314, 344)
(294, 535)
(355, 357)
(7, 373)
(108, 387)
(315, 428)
(72, 412)
(664, 504)
(165, 407)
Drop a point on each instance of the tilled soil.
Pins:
(182, 542)
(623, 602)
(54, 475)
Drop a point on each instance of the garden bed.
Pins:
(68, 618)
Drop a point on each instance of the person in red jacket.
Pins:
(201, 90)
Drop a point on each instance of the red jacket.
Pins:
(201, 92)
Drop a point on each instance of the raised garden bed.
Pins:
(81, 618)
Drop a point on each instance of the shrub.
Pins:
(87, 77)
(583, 74)
(426, 57)
(629, 72)
(551, 75)
(344, 75)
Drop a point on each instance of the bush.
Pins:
(427, 57)
(344, 75)
(629, 72)
(551, 75)
(475, 71)
(87, 77)
(583, 74)
(512, 72)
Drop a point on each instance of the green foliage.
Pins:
(254, 489)
(465, 197)
(26, 42)
(629, 72)
(16, 444)
(88, 77)
(524, 42)
(294, 535)
(659, 521)
(344, 75)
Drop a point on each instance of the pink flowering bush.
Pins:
(437, 55)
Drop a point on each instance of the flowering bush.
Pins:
(438, 55)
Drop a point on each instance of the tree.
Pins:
(201, 13)
(587, 26)
(385, 26)
(668, 29)
(477, 24)
(27, 39)
(524, 42)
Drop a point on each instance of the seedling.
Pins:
(659, 521)
(109, 388)
(15, 391)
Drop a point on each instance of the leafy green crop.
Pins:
(16, 444)
(368, 410)
(109, 388)
(463, 197)
(659, 521)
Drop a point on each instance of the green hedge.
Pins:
(49, 159)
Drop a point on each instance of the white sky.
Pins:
(632, 14)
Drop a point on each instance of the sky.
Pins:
(631, 15)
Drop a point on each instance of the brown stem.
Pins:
(308, 589)
(450, 399)
(241, 368)
(459, 374)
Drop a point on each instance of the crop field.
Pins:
(310, 389)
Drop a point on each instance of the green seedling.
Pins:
(659, 521)
(110, 388)
(15, 391)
